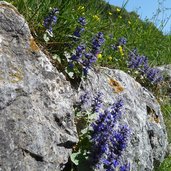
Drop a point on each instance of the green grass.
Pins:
(141, 34)
(165, 166)
(166, 109)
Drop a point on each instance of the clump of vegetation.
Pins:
(166, 165)
(79, 34)
(112, 21)
(103, 139)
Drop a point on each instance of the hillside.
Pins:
(100, 16)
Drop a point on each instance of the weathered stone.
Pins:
(148, 141)
(36, 115)
(166, 70)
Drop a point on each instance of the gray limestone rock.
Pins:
(37, 130)
(148, 140)
(166, 70)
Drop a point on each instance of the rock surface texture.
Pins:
(148, 139)
(36, 115)
(166, 69)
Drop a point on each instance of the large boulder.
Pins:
(148, 139)
(37, 131)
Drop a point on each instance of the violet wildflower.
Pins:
(82, 21)
(91, 57)
(138, 62)
(125, 167)
(141, 64)
(114, 47)
(78, 53)
(71, 65)
(109, 142)
(85, 59)
(118, 46)
(85, 71)
(122, 41)
(116, 108)
(78, 31)
(84, 98)
(51, 20)
(97, 42)
(88, 62)
(97, 102)
(154, 75)
(86, 66)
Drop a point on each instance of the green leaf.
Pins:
(79, 114)
(56, 57)
(92, 117)
(46, 38)
(75, 157)
(69, 72)
(78, 157)
(80, 160)
(84, 131)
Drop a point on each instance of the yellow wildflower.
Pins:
(109, 13)
(118, 9)
(99, 56)
(120, 50)
(120, 17)
(81, 8)
(96, 17)
(129, 22)
(110, 58)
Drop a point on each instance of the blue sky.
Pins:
(147, 9)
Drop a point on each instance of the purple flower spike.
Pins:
(84, 98)
(97, 102)
(82, 21)
(78, 32)
(141, 64)
(125, 167)
(51, 20)
(109, 142)
(122, 41)
(97, 42)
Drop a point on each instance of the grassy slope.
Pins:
(141, 34)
